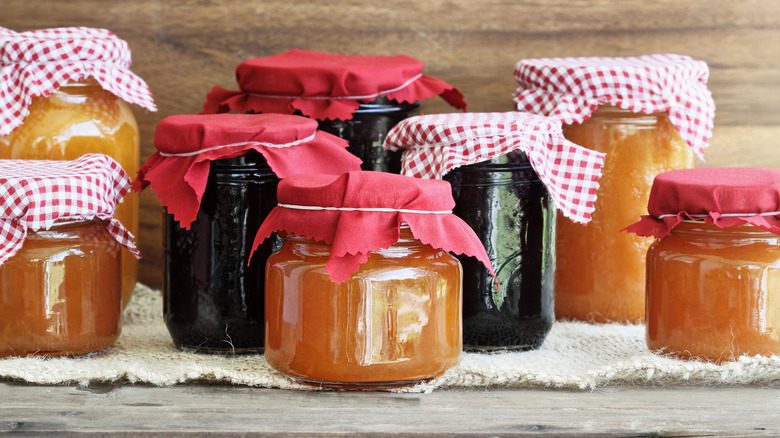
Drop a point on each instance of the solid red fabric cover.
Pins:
(725, 197)
(326, 86)
(353, 234)
(186, 145)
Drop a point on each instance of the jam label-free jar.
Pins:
(501, 166)
(60, 282)
(363, 292)
(355, 97)
(649, 114)
(216, 176)
(713, 272)
(65, 93)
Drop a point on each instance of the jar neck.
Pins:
(81, 87)
(406, 242)
(609, 112)
(695, 229)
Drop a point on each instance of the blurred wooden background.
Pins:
(184, 47)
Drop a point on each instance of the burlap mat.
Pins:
(574, 356)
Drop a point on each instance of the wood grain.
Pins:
(184, 47)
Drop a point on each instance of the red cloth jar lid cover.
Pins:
(724, 197)
(570, 89)
(35, 193)
(186, 145)
(38, 62)
(359, 212)
(435, 144)
(326, 86)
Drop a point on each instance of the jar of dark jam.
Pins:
(213, 302)
(509, 208)
(367, 129)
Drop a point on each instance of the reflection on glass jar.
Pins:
(396, 321)
(60, 294)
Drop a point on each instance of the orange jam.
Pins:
(600, 273)
(396, 321)
(60, 294)
(80, 118)
(714, 293)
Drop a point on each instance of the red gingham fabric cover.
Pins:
(326, 86)
(35, 193)
(187, 144)
(570, 89)
(353, 234)
(435, 144)
(38, 62)
(724, 197)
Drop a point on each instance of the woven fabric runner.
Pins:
(574, 356)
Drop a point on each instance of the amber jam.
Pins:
(714, 293)
(60, 294)
(600, 272)
(509, 209)
(396, 321)
(367, 129)
(80, 118)
(213, 300)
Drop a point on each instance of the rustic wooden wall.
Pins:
(183, 47)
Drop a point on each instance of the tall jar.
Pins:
(60, 272)
(216, 177)
(82, 109)
(508, 172)
(509, 208)
(373, 308)
(649, 114)
(358, 98)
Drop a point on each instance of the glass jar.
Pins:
(396, 321)
(213, 300)
(60, 294)
(601, 271)
(508, 207)
(714, 293)
(367, 129)
(80, 118)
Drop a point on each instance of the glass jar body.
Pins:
(213, 300)
(600, 270)
(60, 294)
(77, 119)
(396, 321)
(509, 209)
(714, 293)
(367, 130)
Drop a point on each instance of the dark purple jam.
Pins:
(367, 129)
(509, 208)
(212, 301)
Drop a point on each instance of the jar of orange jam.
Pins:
(713, 274)
(85, 113)
(649, 114)
(370, 309)
(60, 284)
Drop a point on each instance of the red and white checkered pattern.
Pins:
(570, 89)
(434, 144)
(38, 62)
(35, 193)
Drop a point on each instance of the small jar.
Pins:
(87, 113)
(396, 321)
(649, 114)
(61, 294)
(370, 309)
(509, 208)
(713, 272)
(60, 265)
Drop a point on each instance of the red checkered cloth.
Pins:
(38, 62)
(326, 86)
(435, 144)
(570, 89)
(35, 193)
